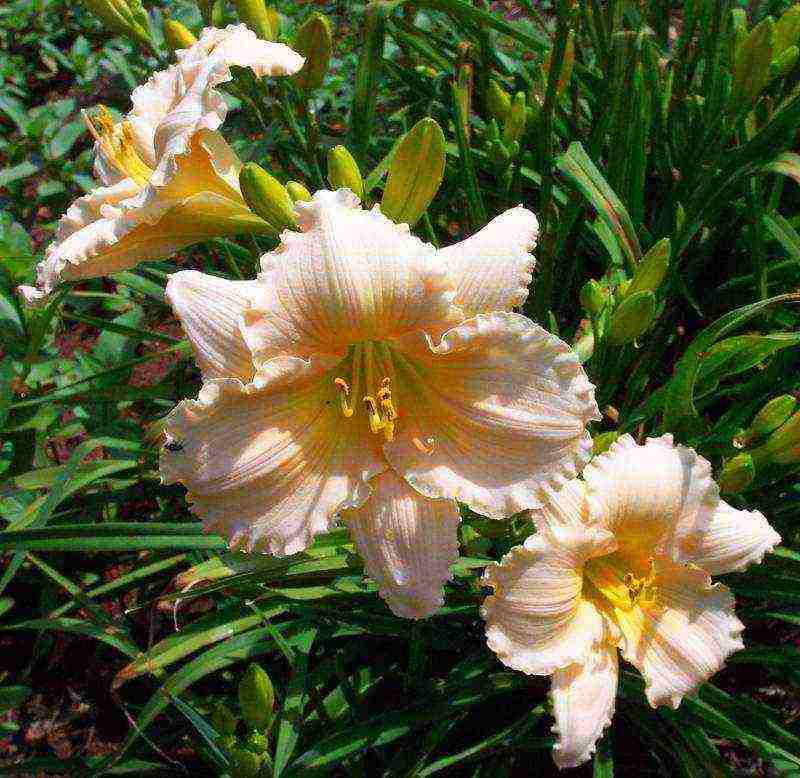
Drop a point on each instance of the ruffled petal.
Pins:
(562, 506)
(734, 540)
(583, 698)
(209, 309)
(269, 464)
(684, 637)
(350, 275)
(537, 620)
(500, 407)
(408, 544)
(493, 268)
(657, 498)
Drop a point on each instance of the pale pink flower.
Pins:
(348, 381)
(168, 177)
(623, 559)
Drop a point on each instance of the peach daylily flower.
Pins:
(623, 559)
(168, 177)
(347, 381)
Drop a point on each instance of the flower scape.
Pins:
(362, 377)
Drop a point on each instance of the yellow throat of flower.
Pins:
(118, 145)
(623, 580)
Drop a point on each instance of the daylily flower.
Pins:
(366, 375)
(623, 559)
(168, 178)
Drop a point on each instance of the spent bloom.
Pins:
(168, 178)
(367, 376)
(623, 559)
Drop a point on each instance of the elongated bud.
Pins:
(593, 297)
(223, 720)
(737, 474)
(343, 171)
(602, 442)
(516, 119)
(177, 35)
(751, 66)
(315, 42)
(122, 18)
(415, 173)
(632, 317)
(256, 698)
(267, 197)
(254, 14)
(772, 416)
(498, 101)
(298, 192)
(783, 445)
(651, 270)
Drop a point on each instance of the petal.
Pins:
(350, 275)
(656, 498)
(505, 405)
(566, 506)
(408, 544)
(683, 638)
(734, 540)
(270, 467)
(493, 268)
(537, 620)
(583, 698)
(209, 309)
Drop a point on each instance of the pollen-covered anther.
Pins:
(642, 589)
(344, 393)
(428, 446)
(119, 147)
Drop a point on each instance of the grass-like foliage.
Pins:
(656, 143)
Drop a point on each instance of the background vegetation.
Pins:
(655, 141)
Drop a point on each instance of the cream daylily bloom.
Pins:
(168, 177)
(347, 382)
(623, 560)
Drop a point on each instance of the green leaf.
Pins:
(8, 175)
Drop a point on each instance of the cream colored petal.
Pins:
(537, 620)
(268, 468)
(734, 540)
(492, 269)
(209, 309)
(583, 698)
(408, 544)
(350, 275)
(658, 497)
(501, 406)
(88, 209)
(685, 636)
(562, 506)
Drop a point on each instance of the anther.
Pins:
(376, 423)
(428, 447)
(344, 392)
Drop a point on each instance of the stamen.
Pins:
(119, 148)
(344, 391)
(642, 589)
(376, 423)
(428, 447)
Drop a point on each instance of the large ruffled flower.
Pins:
(168, 177)
(348, 381)
(623, 559)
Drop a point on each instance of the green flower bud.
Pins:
(772, 416)
(256, 742)
(122, 18)
(315, 42)
(256, 698)
(492, 131)
(651, 270)
(516, 119)
(223, 720)
(177, 35)
(737, 474)
(254, 14)
(415, 173)
(298, 192)
(632, 318)
(602, 442)
(343, 171)
(783, 445)
(498, 101)
(267, 197)
(593, 297)
(244, 764)
(500, 154)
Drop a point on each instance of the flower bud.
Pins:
(343, 171)
(256, 742)
(298, 192)
(315, 42)
(651, 270)
(244, 764)
(415, 173)
(593, 297)
(516, 119)
(122, 18)
(256, 698)
(254, 14)
(772, 416)
(783, 445)
(267, 197)
(737, 474)
(498, 101)
(223, 720)
(177, 35)
(632, 317)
